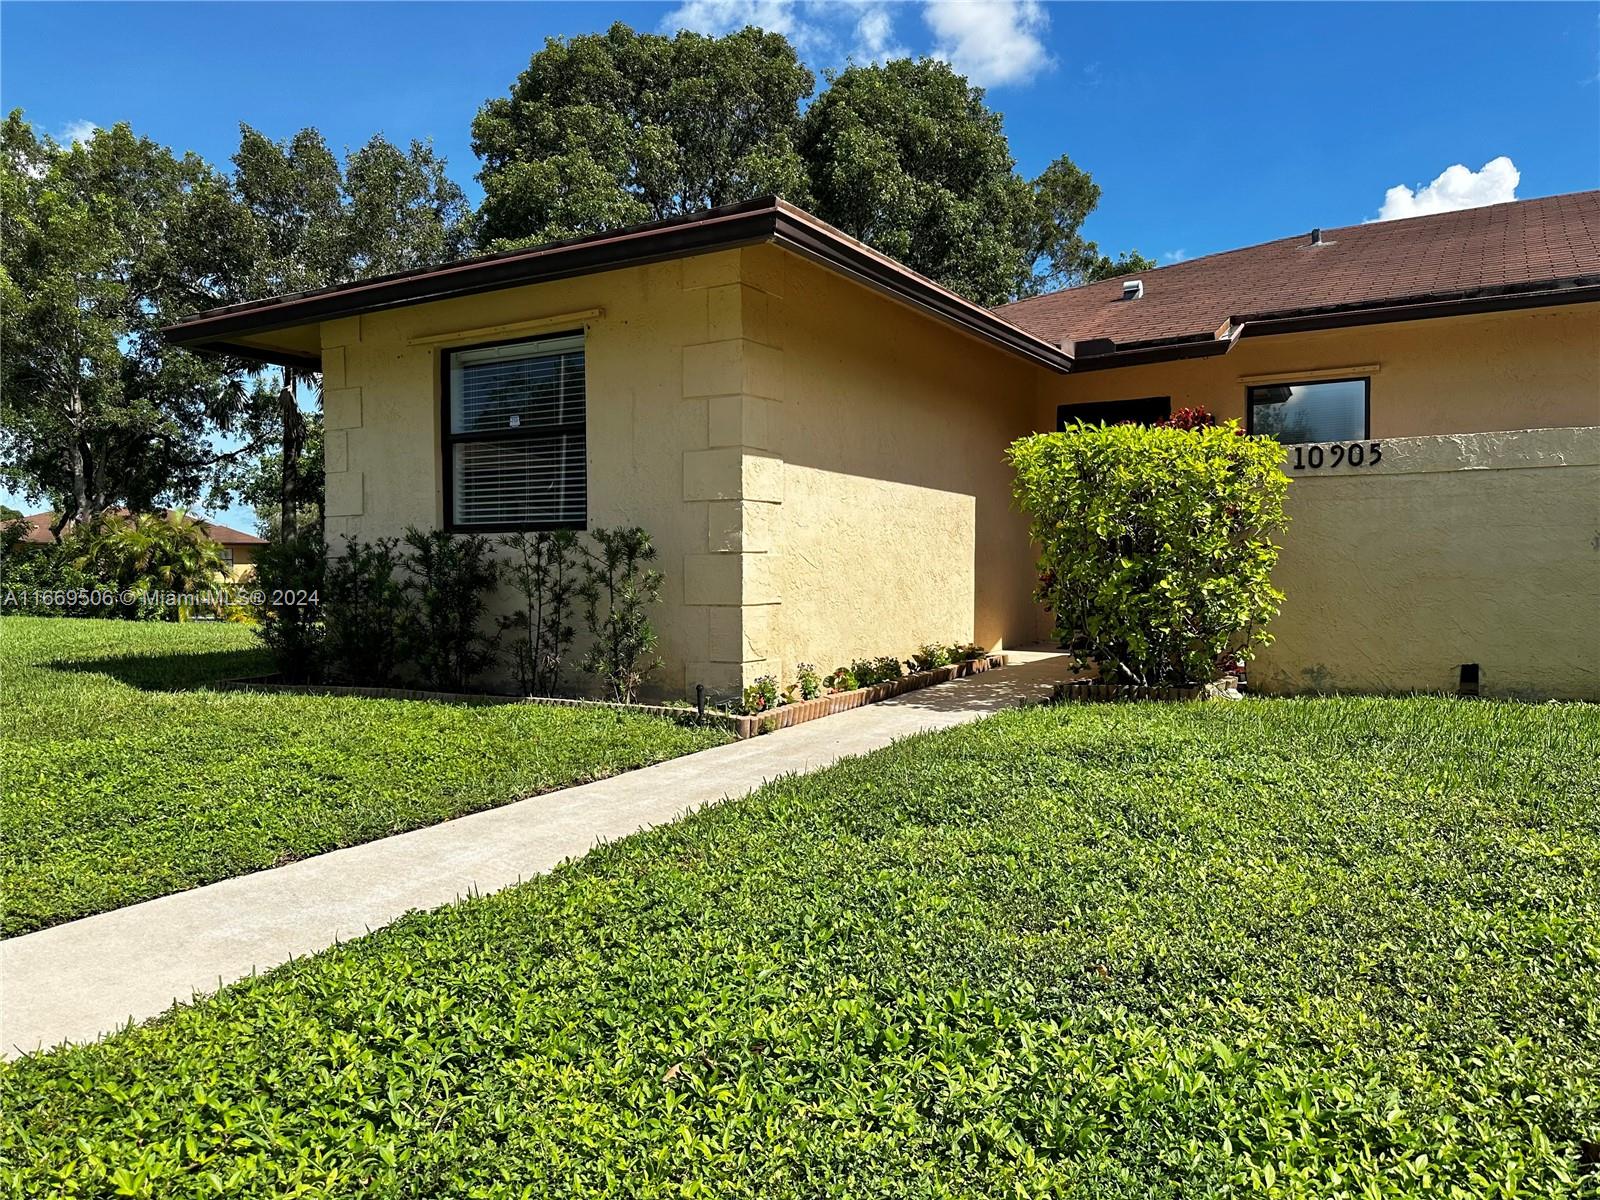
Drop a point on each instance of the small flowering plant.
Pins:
(809, 682)
(762, 695)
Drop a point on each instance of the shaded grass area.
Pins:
(1297, 948)
(124, 783)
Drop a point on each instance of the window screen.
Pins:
(514, 444)
(1331, 411)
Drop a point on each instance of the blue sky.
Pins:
(1207, 126)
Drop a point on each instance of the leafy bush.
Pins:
(1198, 417)
(41, 581)
(364, 613)
(761, 696)
(808, 681)
(1157, 552)
(1323, 948)
(290, 573)
(931, 656)
(842, 680)
(449, 579)
(869, 671)
(542, 571)
(618, 589)
(146, 554)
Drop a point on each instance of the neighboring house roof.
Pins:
(1524, 253)
(768, 219)
(38, 525)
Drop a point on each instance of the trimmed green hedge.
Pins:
(1155, 544)
(122, 784)
(1296, 948)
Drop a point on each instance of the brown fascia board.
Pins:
(800, 233)
(750, 223)
(1542, 294)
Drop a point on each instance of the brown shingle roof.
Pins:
(1500, 248)
(39, 531)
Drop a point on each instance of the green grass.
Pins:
(123, 783)
(1309, 948)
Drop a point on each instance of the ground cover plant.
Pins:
(123, 783)
(1333, 947)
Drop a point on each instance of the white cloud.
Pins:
(76, 131)
(1455, 188)
(991, 42)
(718, 17)
(875, 36)
(1175, 256)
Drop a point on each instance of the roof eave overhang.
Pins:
(743, 225)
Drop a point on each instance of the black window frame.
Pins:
(1250, 403)
(448, 439)
(1100, 411)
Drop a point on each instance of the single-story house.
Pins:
(813, 433)
(238, 547)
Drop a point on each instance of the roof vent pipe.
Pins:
(1316, 237)
(1132, 289)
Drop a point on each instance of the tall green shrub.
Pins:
(618, 589)
(543, 571)
(1156, 544)
(363, 611)
(450, 576)
(290, 575)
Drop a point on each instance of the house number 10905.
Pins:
(1338, 454)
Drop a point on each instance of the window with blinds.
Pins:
(514, 440)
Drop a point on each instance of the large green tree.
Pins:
(300, 220)
(612, 129)
(107, 240)
(908, 157)
(96, 254)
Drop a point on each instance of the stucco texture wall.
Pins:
(895, 525)
(381, 403)
(1466, 548)
(1529, 369)
(820, 468)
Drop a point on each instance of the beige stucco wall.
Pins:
(893, 525)
(647, 329)
(820, 467)
(1473, 548)
(1533, 368)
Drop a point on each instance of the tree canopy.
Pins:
(95, 259)
(612, 129)
(908, 157)
(107, 240)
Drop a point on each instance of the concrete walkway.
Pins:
(78, 981)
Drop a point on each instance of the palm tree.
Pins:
(149, 552)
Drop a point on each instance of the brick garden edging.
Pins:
(741, 726)
(825, 706)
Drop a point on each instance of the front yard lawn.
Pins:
(122, 783)
(1295, 948)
